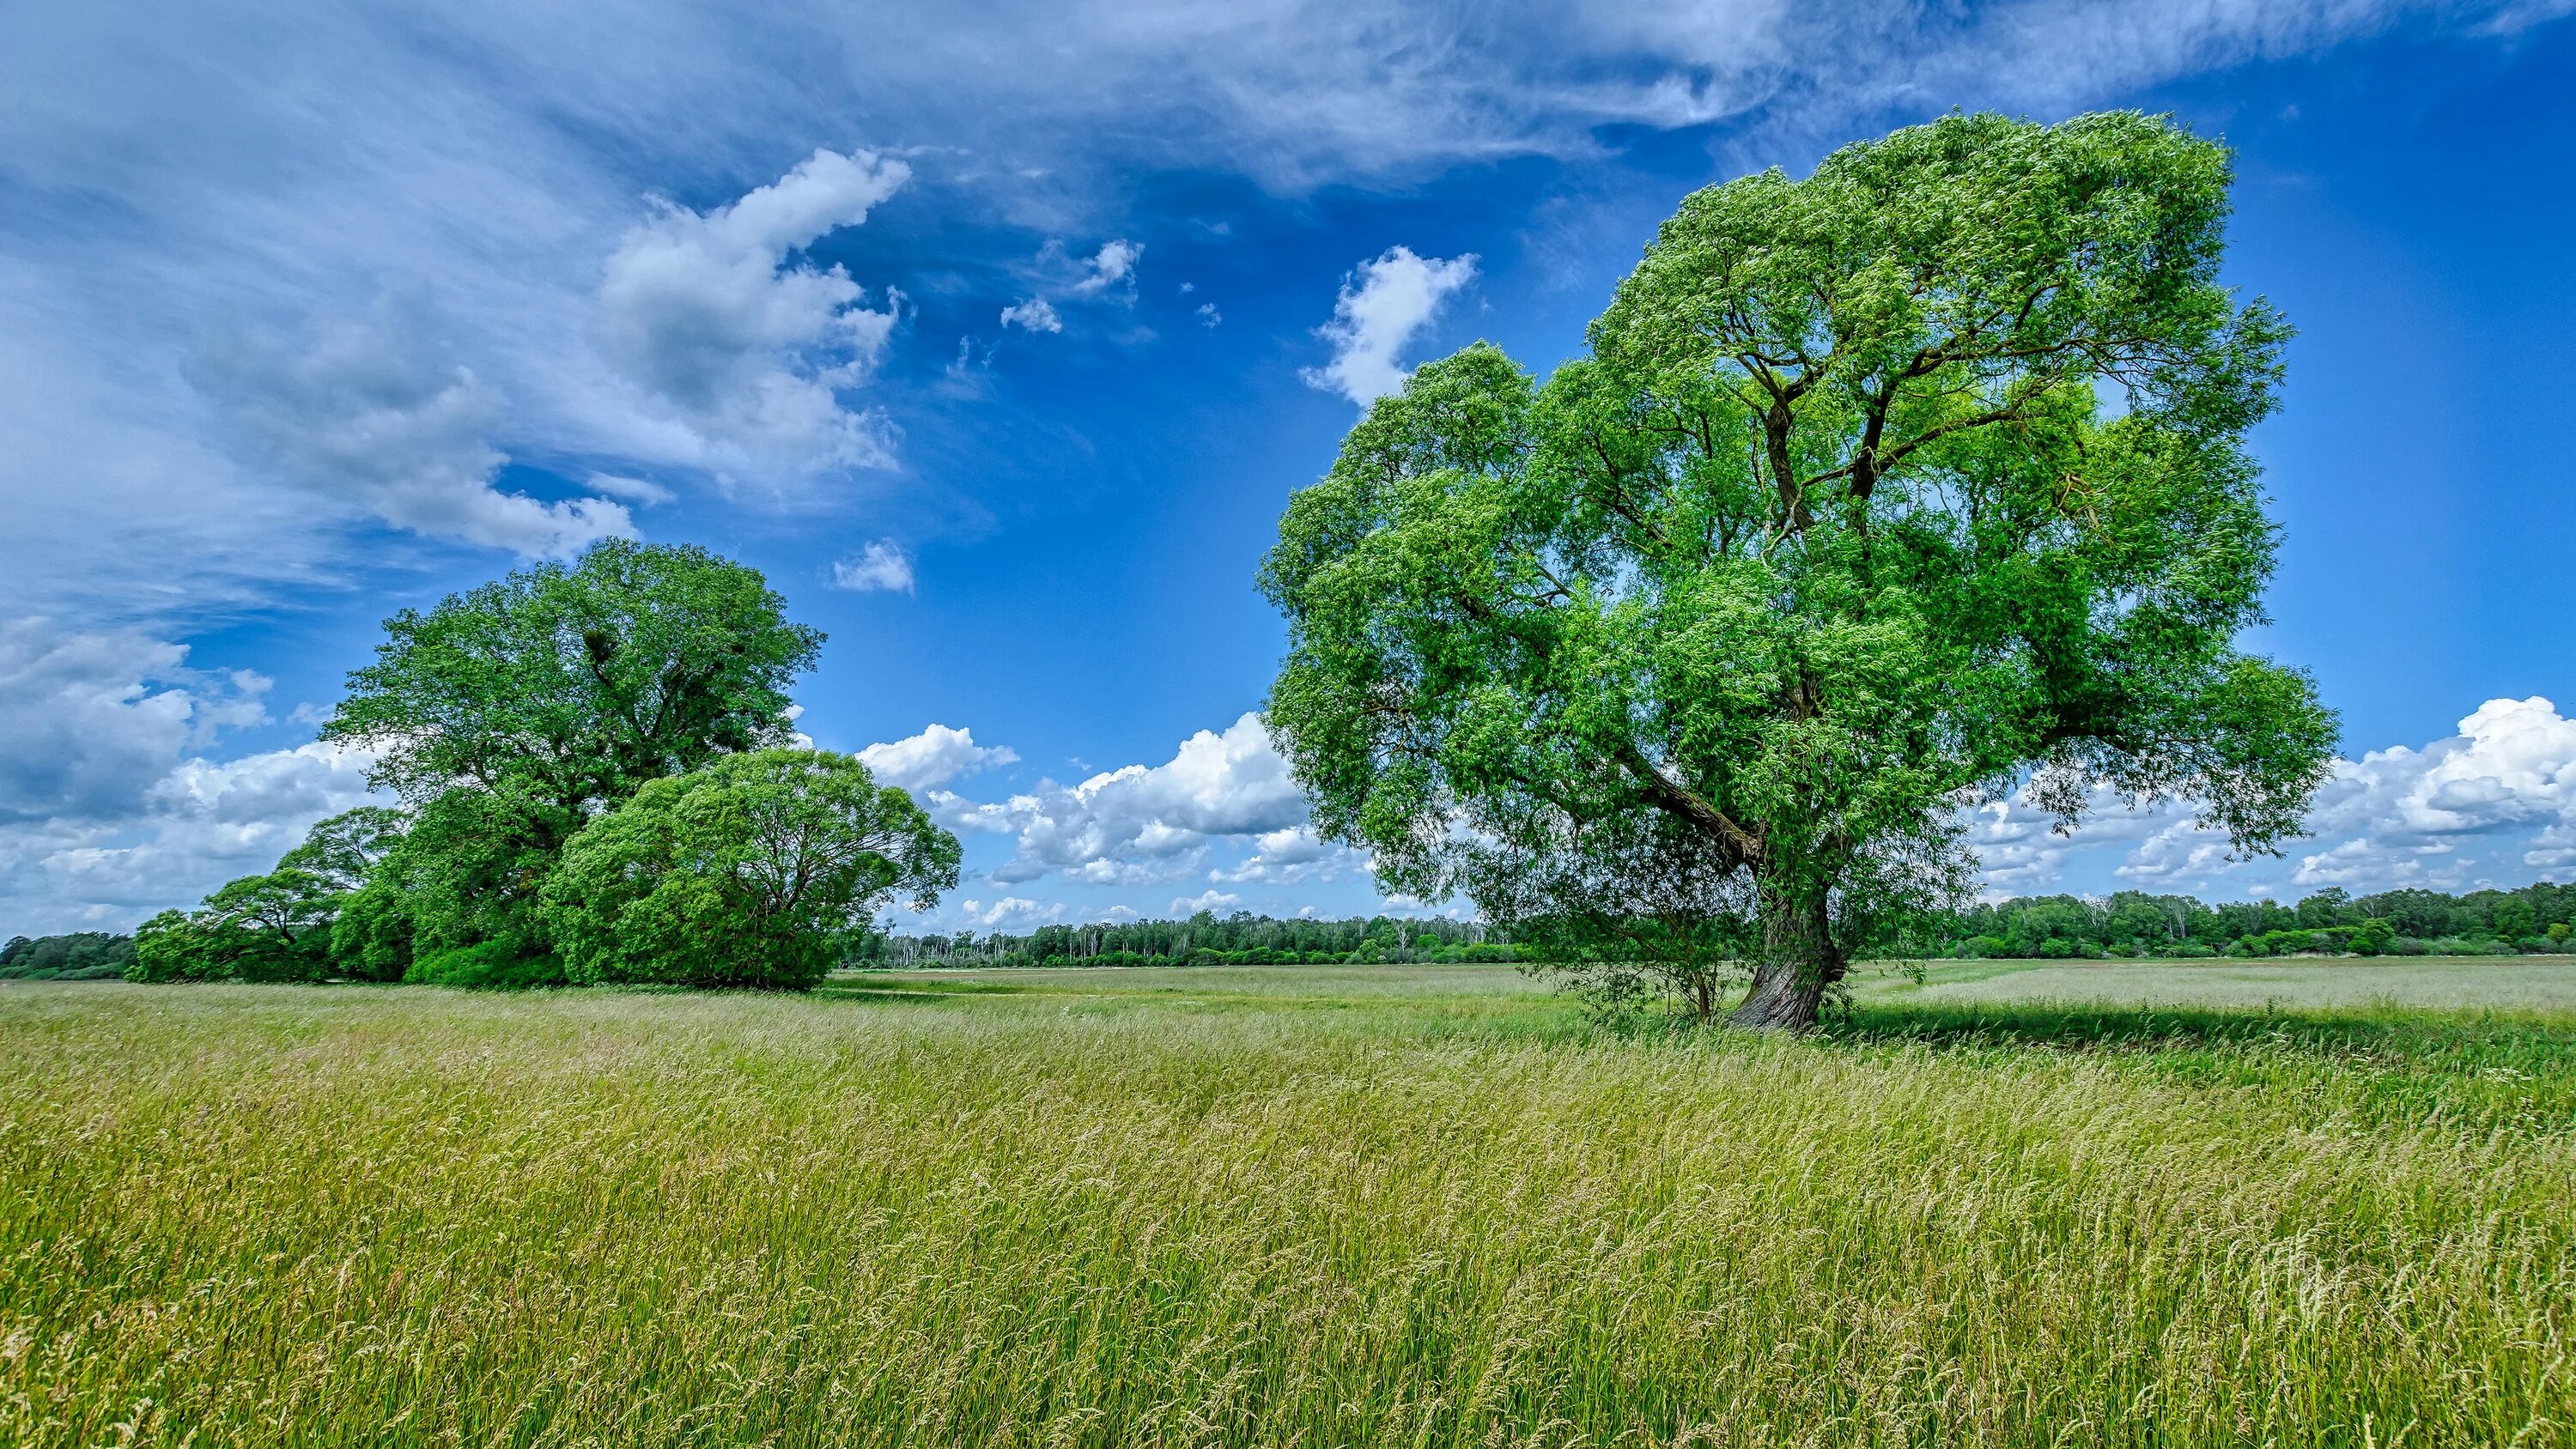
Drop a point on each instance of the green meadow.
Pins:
(2287, 1202)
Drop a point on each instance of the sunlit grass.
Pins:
(1352, 1206)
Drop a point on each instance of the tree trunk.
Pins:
(1799, 961)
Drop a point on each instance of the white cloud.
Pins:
(707, 314)
(1291, 857)
(633, 490)
(371, 414)
(1011, 913)
(1209, 316)
(1382, 308)
(1216, 902)
(935, 756)
(1114, 263)
(90, 721)
(108, 808)
(1109, 272)
(1036, 314)
(1139, 824)
(2493, 803)
(188, 172)
(881, 566)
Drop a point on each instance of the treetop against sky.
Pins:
(999, 346)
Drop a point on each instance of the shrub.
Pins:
(490, 966)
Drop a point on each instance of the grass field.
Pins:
(2018, 1203)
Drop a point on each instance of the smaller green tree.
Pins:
(754, 870)
(273, 927)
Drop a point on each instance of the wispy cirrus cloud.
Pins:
(198, 194)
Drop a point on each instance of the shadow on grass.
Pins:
(2453, 1038)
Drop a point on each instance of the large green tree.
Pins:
(510, 716)
(1907, 484)
(576, 684)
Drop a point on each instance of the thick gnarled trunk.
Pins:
(1799, 963)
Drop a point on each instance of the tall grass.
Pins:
(1097, 1211)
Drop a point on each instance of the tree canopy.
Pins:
(1876, 493)
(754, 871)
(510, 716)
(594, 786)
(572, 686)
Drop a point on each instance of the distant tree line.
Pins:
(2536, 918)
(80, 956)
(2333, 921)
(1206, 939)
(598, 783)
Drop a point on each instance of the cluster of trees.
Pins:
(2396, 923)
(1205, 939)
(598, 782)
(1914, 481)
(80, 956)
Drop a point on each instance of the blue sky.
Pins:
(308, 315)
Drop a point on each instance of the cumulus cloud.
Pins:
(1383, 306)
(90, 721)
(204, 821)
(709, 316)
(881, 566)
(1209, 316)
(1036, 314)
(2495, 802)
(1213, 901)
(1109, 272)
(1291, 857)
(109, 807)
(1139, 825)
(370, 413)
(935, 756)
(1010, 913)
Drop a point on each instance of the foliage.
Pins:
(2133, 923)
(755, 870)
(508, 719)
(569, 687)
(78, 956)
(1831, 530)
(1361, 1207)
(273, 927)
(489, 965)
(471, 866)
(372, 938)
(1239, 939)
(343, 851)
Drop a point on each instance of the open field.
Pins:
(1298, 1205)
